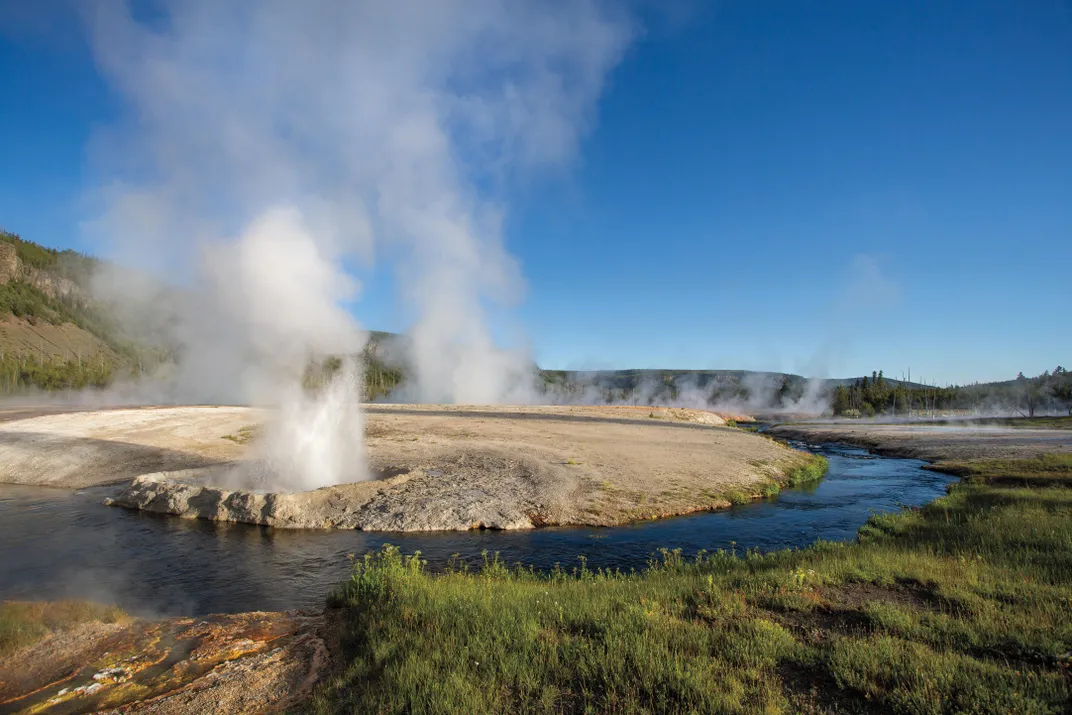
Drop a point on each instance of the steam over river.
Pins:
(56, 544)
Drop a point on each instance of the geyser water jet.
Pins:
(318, 439)
(277, 300)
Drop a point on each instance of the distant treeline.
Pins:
(1048, 392)
(379, 378)
(712, 387)
(17, 374)
(22, 299)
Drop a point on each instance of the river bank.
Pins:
(958, 606)
(961, 605)
(156, 565)
(430, 467)
(934, 442)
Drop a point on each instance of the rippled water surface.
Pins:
(55, 543)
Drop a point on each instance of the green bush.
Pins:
(811, 471)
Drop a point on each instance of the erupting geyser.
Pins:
(315, 439)
(324, 136)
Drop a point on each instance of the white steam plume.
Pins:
(330, 131)
(387, 125)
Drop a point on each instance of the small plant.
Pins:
(803, 577)
(811, 471)
(737, 498)
(245, 435)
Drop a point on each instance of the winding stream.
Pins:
(55, 543)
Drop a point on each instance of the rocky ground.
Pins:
(934, 443)
(438, 467)
(243, 663)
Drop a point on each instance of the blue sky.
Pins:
(825, 188)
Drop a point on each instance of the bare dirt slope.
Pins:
(934, 442)
(85, 448)
(45, 341)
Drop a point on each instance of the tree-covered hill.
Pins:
(52, 334)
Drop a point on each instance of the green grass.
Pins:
(737, 498)
(807, 473)
(244, 435)
(23, 623)
(18, 373)
(1054, 468)
(964, 605)
(1061, 422)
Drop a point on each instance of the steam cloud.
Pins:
(268, 147)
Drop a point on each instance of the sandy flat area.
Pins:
(82, 448)
(439, 467)
(576, 465)
(934, 442)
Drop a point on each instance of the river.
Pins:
(58, 543)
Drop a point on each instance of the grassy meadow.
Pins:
(964, 605)
(1051, 422)
(1053, 468)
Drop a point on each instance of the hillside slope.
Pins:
(52, 334)
(23, 338)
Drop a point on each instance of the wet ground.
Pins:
(57, 543)
(245, 663)
(935, 442)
